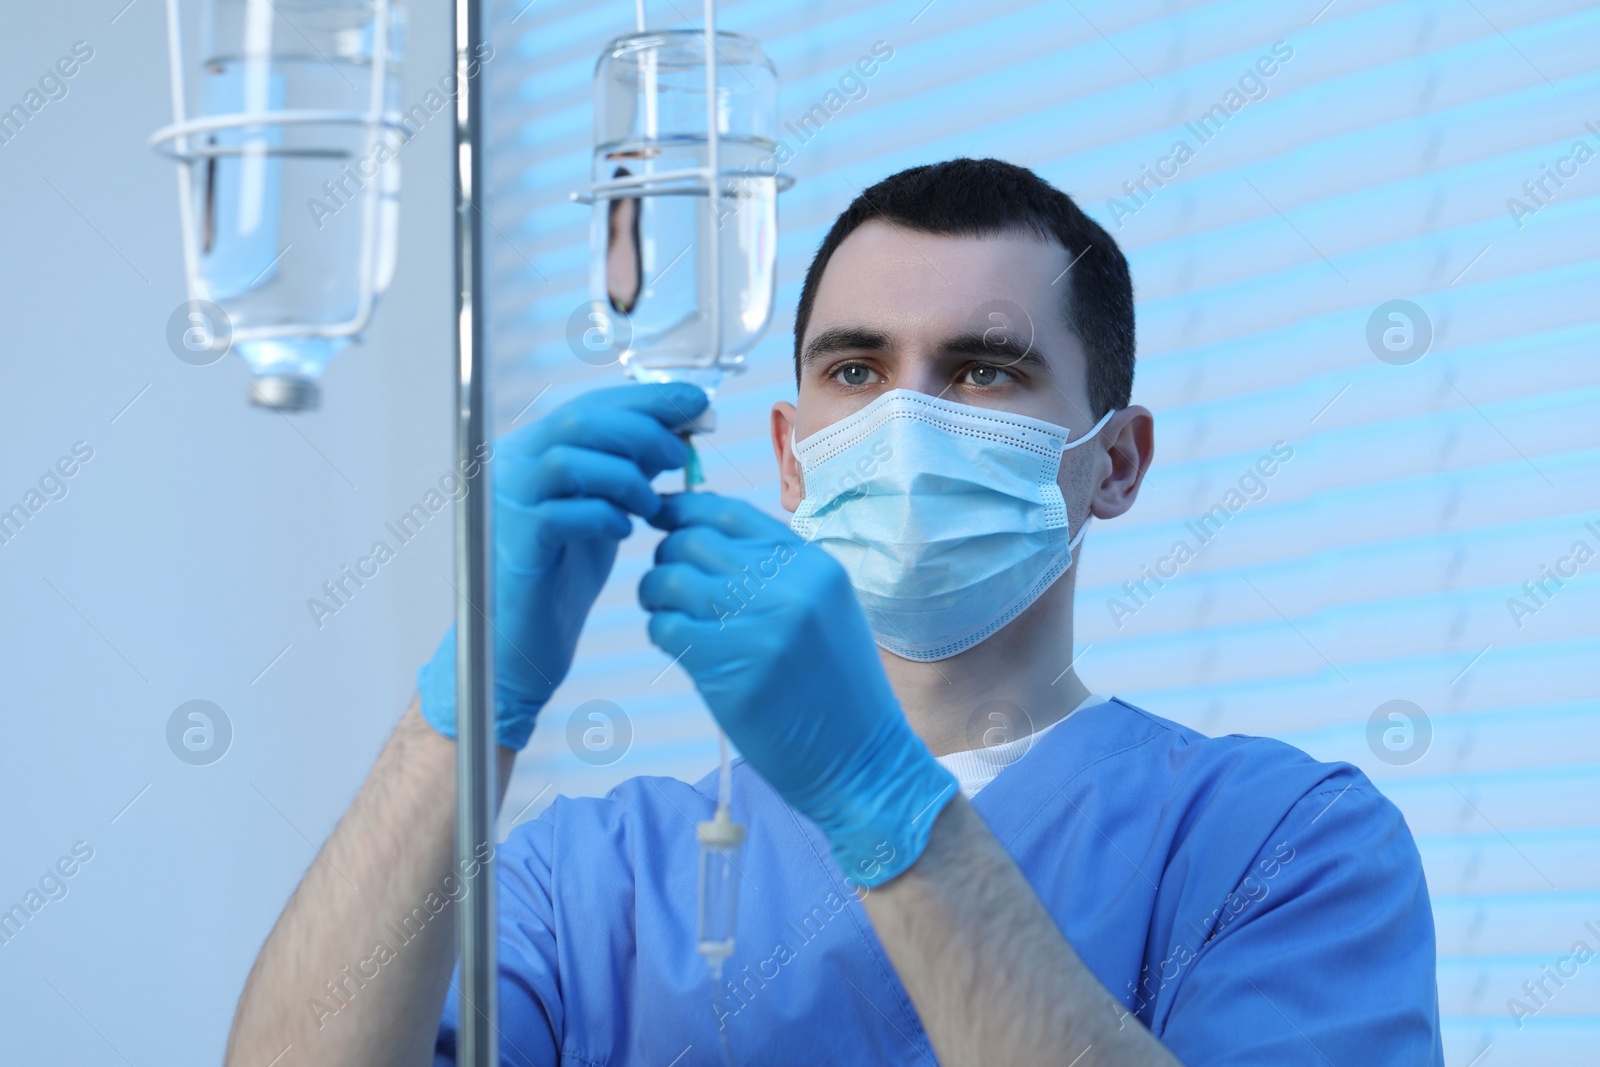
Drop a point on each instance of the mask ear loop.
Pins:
(1072, 545)
(794, 450)
(1083, 528)
(1094, 431)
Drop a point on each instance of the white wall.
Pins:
(179, 563)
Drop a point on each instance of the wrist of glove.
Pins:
(770, 630)
(436, 692)
(564, 488)
(878, 810)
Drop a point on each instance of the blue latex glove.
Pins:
(564, 487)
(769, 628)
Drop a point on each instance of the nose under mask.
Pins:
(947, 517)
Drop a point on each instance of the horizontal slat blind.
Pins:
(1378, 561)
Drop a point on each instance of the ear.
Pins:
(791, 488)
(1130, 448)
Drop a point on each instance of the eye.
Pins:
(854, 374)
(986, 374)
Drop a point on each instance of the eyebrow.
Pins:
(844, 339)
(998, 344)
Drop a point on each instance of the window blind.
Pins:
(1428, 540)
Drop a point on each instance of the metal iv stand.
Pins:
(476, 764)
(477, 1024)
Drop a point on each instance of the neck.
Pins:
(1017, 681)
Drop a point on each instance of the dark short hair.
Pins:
(982, 197)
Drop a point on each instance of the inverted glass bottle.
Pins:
(296, 217)
(679, 309)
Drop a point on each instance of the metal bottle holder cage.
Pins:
(176, 142)
(692, 180)
(477, 1019)
(689, 180)
(720, 837)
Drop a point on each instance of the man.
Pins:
(1103, 887)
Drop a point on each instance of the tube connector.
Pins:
(704, 422)
(720, 831)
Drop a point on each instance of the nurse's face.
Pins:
(975, 320)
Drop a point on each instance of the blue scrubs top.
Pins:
(1246, 903)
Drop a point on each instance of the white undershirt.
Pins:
(977, 767)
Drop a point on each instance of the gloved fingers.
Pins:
(728, 514)
(710, 550)
(639, 438)
(528, 538)
(677, 634)
(514, 660)
(633, 421)
(672, 403)
(570, 471)
(683, 589)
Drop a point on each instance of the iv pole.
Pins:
(476, 764)
(477, 1026)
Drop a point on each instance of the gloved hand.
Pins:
(769, 628)
(563, 490)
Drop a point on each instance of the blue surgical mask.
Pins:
(946, 516)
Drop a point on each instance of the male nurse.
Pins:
(1095, 885)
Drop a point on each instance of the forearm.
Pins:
(313, 991)
(991, 976)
